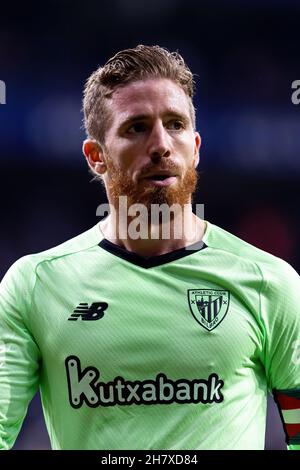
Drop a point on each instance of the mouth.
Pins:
(161, 179)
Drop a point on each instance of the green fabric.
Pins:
(294, 447)
(146, 374)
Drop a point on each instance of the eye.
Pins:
(136, 128)
(175, 125)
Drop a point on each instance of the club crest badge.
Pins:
(208, 306)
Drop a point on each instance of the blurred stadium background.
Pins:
(245, 55)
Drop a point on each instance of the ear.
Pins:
(197, 149)
(93, 153)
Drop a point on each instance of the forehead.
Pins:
(150, 96)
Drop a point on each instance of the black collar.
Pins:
(152, 261)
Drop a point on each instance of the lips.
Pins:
(161, 179)
(160, 175)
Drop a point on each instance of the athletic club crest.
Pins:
(208, 306)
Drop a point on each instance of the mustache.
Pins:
(162, 166)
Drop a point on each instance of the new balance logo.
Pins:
(94, 312)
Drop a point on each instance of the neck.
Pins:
(145, 237)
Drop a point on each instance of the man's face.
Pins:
(151, 149)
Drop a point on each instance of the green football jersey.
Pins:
(176, 351)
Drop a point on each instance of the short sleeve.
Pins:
(280, 310)
(19, 354)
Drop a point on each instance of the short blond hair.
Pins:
(128, 66)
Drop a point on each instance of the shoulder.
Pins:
(24, 269)
(272, 269)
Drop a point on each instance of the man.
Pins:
(138, 339)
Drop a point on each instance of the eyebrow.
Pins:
(141, 117)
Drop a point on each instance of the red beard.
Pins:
(145, 193)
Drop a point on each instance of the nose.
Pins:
(158, 144)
